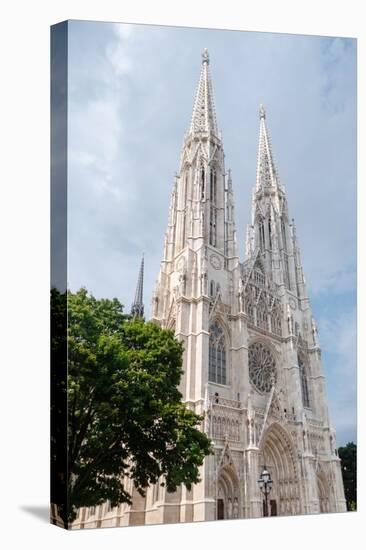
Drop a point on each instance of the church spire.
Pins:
(271, 233)
(137, 308)
(204, 116)
(266, 170)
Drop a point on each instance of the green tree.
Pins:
(348, 456)
(125, 414)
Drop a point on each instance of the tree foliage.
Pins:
(125, 414)
(348, 456)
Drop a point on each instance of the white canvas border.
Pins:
(25, 268)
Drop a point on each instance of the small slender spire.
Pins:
(266, 170)
(229, 175)
(204, 116)
(137, 308)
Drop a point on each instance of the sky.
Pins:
(131, 94)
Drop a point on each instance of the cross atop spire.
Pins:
(204, 116)
(266, 170)
(137, 308)
(205, 56)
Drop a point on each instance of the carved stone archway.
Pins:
(323, 493)
(279, 458)
(228, 494)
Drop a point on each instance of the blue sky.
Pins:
(131, 92)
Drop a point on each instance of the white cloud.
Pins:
(124, 30)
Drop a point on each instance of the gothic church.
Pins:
(252, 361)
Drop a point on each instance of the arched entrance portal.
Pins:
(322, 493)
(228, 498)
(278, 456)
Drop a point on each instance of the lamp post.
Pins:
(265, 484)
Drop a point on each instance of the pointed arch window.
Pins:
(212, 289)
(202, 178)
(213, 185)
(217, 355)
(276, 319)
(283, 232)
(213, 225)
(270, 233)
(261, 234)
(249, 304)
(258, 274)
(262, 313)
(303, 382)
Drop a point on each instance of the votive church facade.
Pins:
(252, 361)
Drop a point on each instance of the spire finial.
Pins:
(137, 309)
(204, 116)
(266, 170)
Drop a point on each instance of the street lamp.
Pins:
(265, 484)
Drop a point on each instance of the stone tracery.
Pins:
(262, 367)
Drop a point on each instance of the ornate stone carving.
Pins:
(262, 367)
(215, 261)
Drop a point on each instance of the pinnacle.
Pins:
(137, 309)
(204, 116)
(266, 170)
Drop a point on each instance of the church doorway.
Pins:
(278, 457)
(220, 508)
(228, 494)
(272, 508)
(322, 493)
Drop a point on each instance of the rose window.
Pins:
(262, 367)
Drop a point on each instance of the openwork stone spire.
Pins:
(137, 309)
(266, 171)
(204, 116)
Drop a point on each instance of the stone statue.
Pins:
(182, 282)
(314, 330)
(229, 508)
(204, 275)
(305, 433)
(251, 427)
(236, 508)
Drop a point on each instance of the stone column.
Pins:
(254, 496)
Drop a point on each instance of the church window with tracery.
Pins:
(304, 382)
(262, 367)
(213, 226)
(217, 355)
(258, 277)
